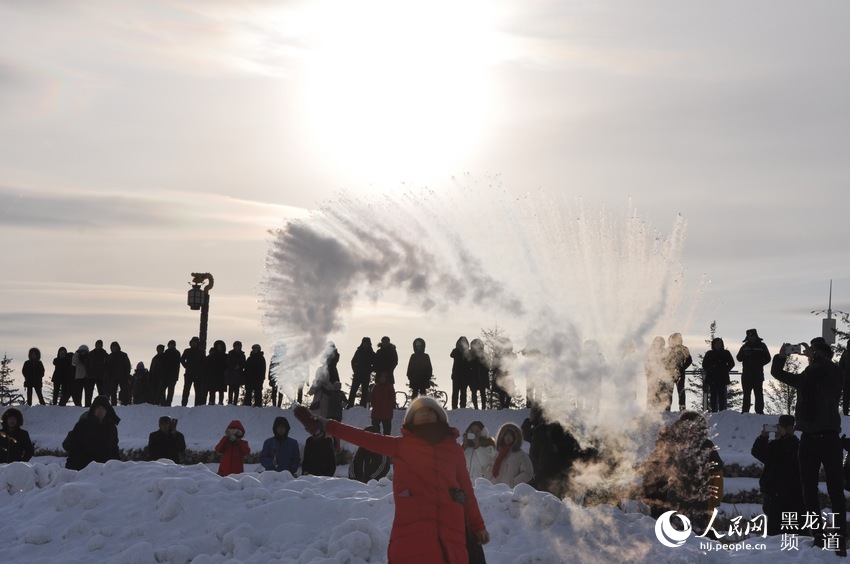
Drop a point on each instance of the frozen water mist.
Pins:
(585, 288)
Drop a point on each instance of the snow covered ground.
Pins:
(147, 512)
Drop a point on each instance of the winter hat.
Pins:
(425, 402)
(753, 333)
(13, 412)
(820, 345)
(103, 401)
(236, 424)
(280, 420)
(786, 420)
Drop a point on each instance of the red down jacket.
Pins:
(429, 526)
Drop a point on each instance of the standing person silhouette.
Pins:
(753, 356)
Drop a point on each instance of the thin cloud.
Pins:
(180, 211)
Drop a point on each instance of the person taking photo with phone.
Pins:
(818, 420)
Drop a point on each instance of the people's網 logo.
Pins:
(669, 535)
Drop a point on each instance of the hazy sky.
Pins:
(143, 141)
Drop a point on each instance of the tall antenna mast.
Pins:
(828, 327)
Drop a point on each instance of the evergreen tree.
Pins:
(9, 395)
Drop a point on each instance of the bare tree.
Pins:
(779, 397)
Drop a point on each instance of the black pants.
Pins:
(37, 392)
(680, 387)
(458, 392)
(818, 449)
(756, 388)
(387, 425)
(361, 383)
(253, 394)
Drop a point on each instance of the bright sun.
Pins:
(397, 90)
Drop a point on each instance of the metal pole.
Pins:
(205, 317)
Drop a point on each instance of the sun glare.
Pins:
(399, 91)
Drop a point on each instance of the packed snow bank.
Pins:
(146, 512)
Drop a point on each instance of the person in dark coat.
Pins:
(460, 372)
(63, 377)
(255, 375)
(216, 369)
(116, 375)
(280, 451)
(553, 452)
(166, 442)
(319, 456)
(678, 360)
(141, 384)
(479, 373)
(780, 477)
(753, 356)
(193, 361)
(819, 422)
(33, 372)
(717, 363)
(156, 376)
(95, 367)
(419, 369)
(170, 373)
(386, 358)
(95, 436)
(361, 372)
(235, 373)
(368, 465)
(15, 443)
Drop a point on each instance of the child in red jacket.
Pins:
(435, 504)
(233, 449)
(382, 397)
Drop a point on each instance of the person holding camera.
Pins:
(479, 450)
(818, 420)
(753, 356)
(166, 442)
(233, 449)
(780, 477)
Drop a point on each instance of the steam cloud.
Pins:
(585, 291)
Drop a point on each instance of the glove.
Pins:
(312, 423)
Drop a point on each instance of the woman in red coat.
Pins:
(433, 495)
(233, 449)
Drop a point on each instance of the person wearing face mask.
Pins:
(479, 451)
(511, 465)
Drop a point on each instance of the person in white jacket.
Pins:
(479, 450)
(511, 465)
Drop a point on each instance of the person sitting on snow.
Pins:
(233, 449)
(280, 452)
(368, 465)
